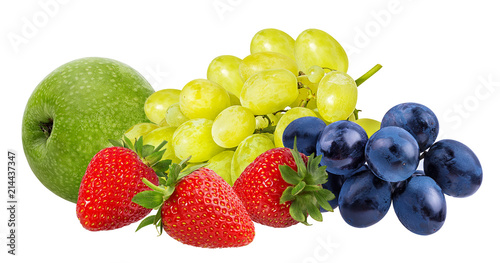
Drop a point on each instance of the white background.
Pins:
(444, 54)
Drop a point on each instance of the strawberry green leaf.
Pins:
(128, 144)
(162, 180)
(183, 163)
(326, 194)
(313, 162)
(287, 195)
(314, 212)
(148, 199)
(301, 166)
(173, 173)
(323, 199)
(147, 150)
(116, 143)
(159, 174)
(316, 175)
(154, 157)
(319, 175)
(157, 217)
(158, 223)
(163, 143)
(298, 188)
(138, 146)
(289, 175)
(168, 192)
(162, 166)
(146, 222)
(176, 172)
(187, 170)
(312, 188)
(296, 212)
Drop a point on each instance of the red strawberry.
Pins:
(113, 177)
(278, 189)
(200, 209)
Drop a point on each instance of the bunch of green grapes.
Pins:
(243, 106)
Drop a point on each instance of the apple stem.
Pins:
(368, 74)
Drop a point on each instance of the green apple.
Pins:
(73, 113)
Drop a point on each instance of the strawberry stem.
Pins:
(153, 186)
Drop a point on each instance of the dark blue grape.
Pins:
(307, 131)
(420, 205)
(342, 145)
(392, 154)
(455, 168)
(364, 199)
(397, 186)
(417, 119)
(334, 184)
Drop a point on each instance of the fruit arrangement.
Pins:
(273, 138)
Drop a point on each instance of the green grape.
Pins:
(369, 125)
(319, 115)
(264, 121)
(221, 165)
(233, 99)
(225, 71)
(273, 40)
(202, 98)
(174, 116)
(247, 151)
(270, 136)
(194, 138)
(269, 91)
(157, 104)
(337, 96)
(157, 136)
(258, 62)
(261, 122)
(312, 104)
(316, 47)
(138, 130)
(163, 123)
(315, 73)
(233, 125)
(289, 116)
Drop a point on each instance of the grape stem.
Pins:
(280, 111)
(310, 95)
(269, 121)
(356, 114)
(422, 155)
(368, 74)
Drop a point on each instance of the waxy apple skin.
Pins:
(73, 113)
